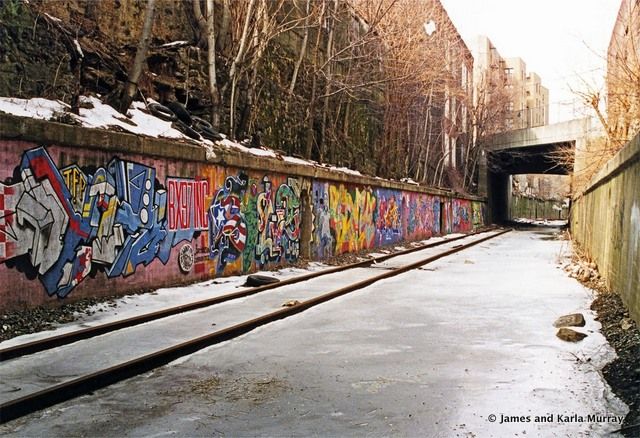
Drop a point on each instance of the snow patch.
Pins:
(95, 114)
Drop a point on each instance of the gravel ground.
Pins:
(34, 320)
(622, 333)
(623, 374)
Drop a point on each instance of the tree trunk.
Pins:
(221, 41)
(233, 71)
(303, 48)
(141, 55)
(201, 21)
(324, 145)
(211, 58)
(310, 116)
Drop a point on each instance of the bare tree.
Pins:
(131, 87)
(211, 59)
(617, 108)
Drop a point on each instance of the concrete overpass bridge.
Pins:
(530, 150)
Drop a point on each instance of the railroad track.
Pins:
(89, 332)
(39, 398)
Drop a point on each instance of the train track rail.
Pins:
(43, 344)
(101, 378)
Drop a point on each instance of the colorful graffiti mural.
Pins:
(349, 218)
(65, 223)
(62, 225)
(388, 217)
(227, 225)
(255, 221)
(344, 219)
(322, 236)
(421, 215)
(278, 222)
(462, 215)
(478, 214)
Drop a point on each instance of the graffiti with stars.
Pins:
(61, 225)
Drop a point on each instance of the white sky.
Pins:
(564, 41)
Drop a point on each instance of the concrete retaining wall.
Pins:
(531, 208)
(605, 222)
(86, 212)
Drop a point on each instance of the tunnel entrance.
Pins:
(503, 164)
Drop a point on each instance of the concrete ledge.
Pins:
(47, 132)
(623, 159)
(547, 134)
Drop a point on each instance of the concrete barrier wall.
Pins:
(108, 213)
(605, 222)
(531, 208)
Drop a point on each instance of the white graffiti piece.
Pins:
(105, 249)
(37, 224)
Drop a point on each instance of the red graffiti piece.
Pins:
(41, 170)
(230, 202)
(84, 262)
(236, 231)
(103, 204)
(186, 204)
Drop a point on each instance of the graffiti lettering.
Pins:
(69, 223)
(278, 222)
(186, 206)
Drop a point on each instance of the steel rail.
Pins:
(82, 385)
(90, 332)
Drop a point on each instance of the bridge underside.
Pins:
(551, 159)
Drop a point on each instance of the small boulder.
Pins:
(573, 320)
(626, 324)
(585, 275)
(566, 334)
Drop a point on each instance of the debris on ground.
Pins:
(256, 280)
(573, 320)
(586, 272)
(623, 373)
(49, 317)
(569, 335)
(291, 303)
(41, 318)
(622, 333)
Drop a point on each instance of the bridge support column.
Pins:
(499, 186)
(483, 174)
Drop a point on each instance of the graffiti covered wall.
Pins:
(62, 224)
(351, 217)
(78, 222)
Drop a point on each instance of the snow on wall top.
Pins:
(95, 114)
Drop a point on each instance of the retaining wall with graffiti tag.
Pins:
(85, 212)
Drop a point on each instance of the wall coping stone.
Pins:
(42, 131)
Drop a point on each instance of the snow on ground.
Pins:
(36, 108)
(105, 116)
(543, 222)
(134, 305)
(451, 350)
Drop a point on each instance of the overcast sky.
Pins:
(564, 41)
